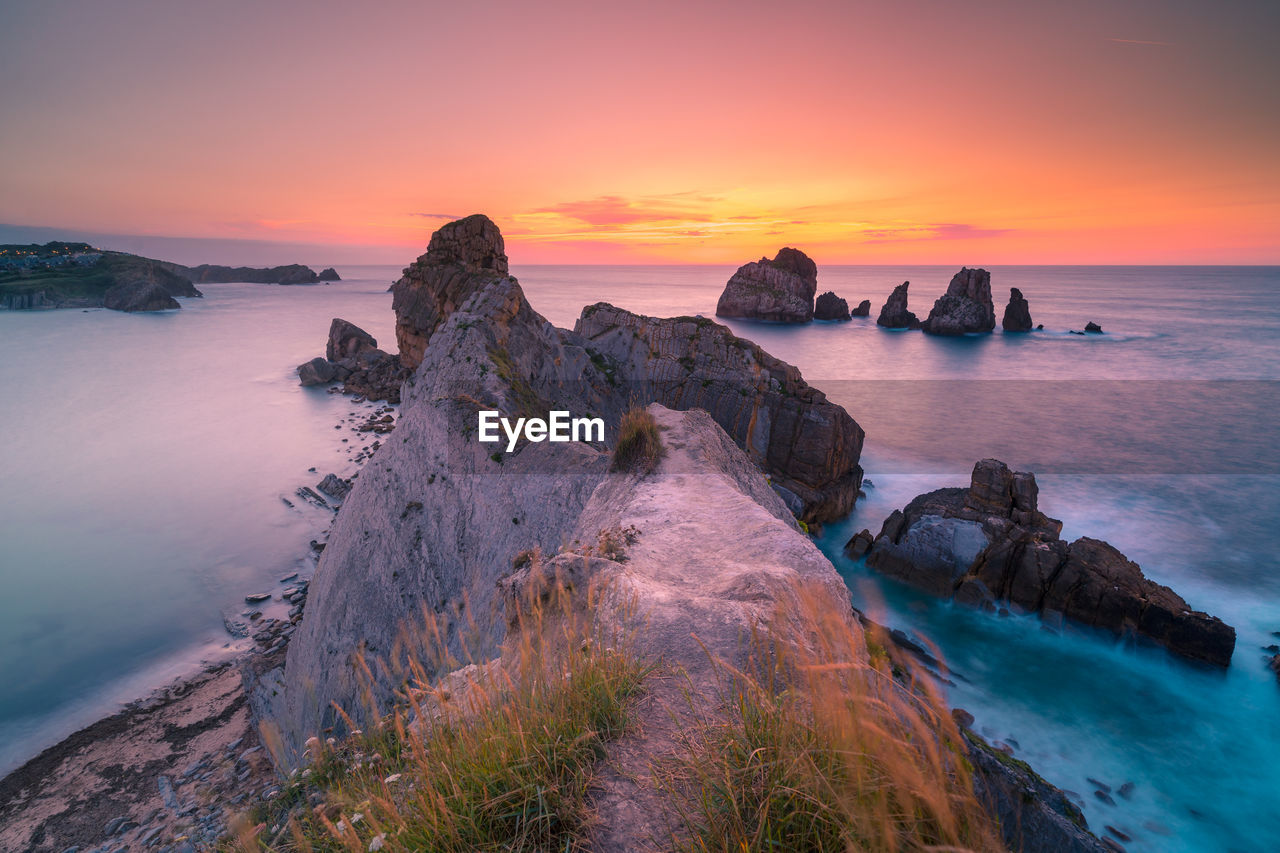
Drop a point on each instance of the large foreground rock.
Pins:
(347, 340)
(894, 314)
(353, 358)
(965, 308)
(991, 543)
(1017, 314)
(779, 290)
(139, 295)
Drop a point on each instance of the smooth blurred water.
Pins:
(147, 456)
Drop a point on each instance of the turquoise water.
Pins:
(148, 455)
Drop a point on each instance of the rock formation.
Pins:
(965, 308)
(894, 314)
(439, 516)
(138, 295)
(863, 309)
(831, 307)
(991, 543)
(347, 340)
(353, 358)
(779, 290)
(1093, 328)
(808, 445)
(1017, 314)
(216, 274)
(462, 257)
(328, 274)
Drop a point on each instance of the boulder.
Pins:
(138, 295)
(894, 314)
(779, 290)
(462, 257)
(1017, 314)
(1093, 328)
(965, 308)
(863, 309)
(328, 274)
(317, 371)
(334, 486)
(347, 340)
(990, 543)
(830, 307)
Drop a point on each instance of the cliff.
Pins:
(133, 282)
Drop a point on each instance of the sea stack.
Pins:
(1017, 314)
(965, 308)
(831, 307)
(779, 290)
(894, 314)
(863, 309)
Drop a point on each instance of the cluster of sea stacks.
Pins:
(782, 291)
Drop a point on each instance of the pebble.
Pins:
(254, 598)
(166, 793)
(289, 577)
(244, 756)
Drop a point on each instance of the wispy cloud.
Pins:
(1141, 41)
(436, 215)
(934, 231)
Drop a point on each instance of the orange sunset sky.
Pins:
(929, 131)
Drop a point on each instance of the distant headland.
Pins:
(61, 274)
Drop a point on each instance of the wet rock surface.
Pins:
(990, 543)
(780, 290)
(831, 307)
(1017, 314)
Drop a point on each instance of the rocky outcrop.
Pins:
(353, 358)
(894, 314)
(1093, 328)
(462, 258)
(863, 309)
(328, 274)
(809, 446)
(779, 290)
(990, 543)
(440, 516)
(347, 340)
(965, 308)
(216, 274)
(334, 486)
(830, 307)
(1017, 314)
(138, 295)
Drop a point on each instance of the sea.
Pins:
(149, 474)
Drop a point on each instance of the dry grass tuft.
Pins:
(639, 447)
(825, 750)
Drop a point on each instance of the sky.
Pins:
(913, 131)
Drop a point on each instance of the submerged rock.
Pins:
(1017, 314)
(863, 309)
(894, 314)
(990, 543)
(779, 290)
(139, 295)
(965, 308)
(830, 307)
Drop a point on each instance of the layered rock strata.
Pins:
(965, 308)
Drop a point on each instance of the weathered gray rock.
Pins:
(779, 290)
(863, 309)
(831, 307)
(347, 340)
(991, 543)
(462, 257)
(334, 486)
(894, 314)
(139, 295)
(1017, 314)
(317, 371)
(809, 446)
(965, 308)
